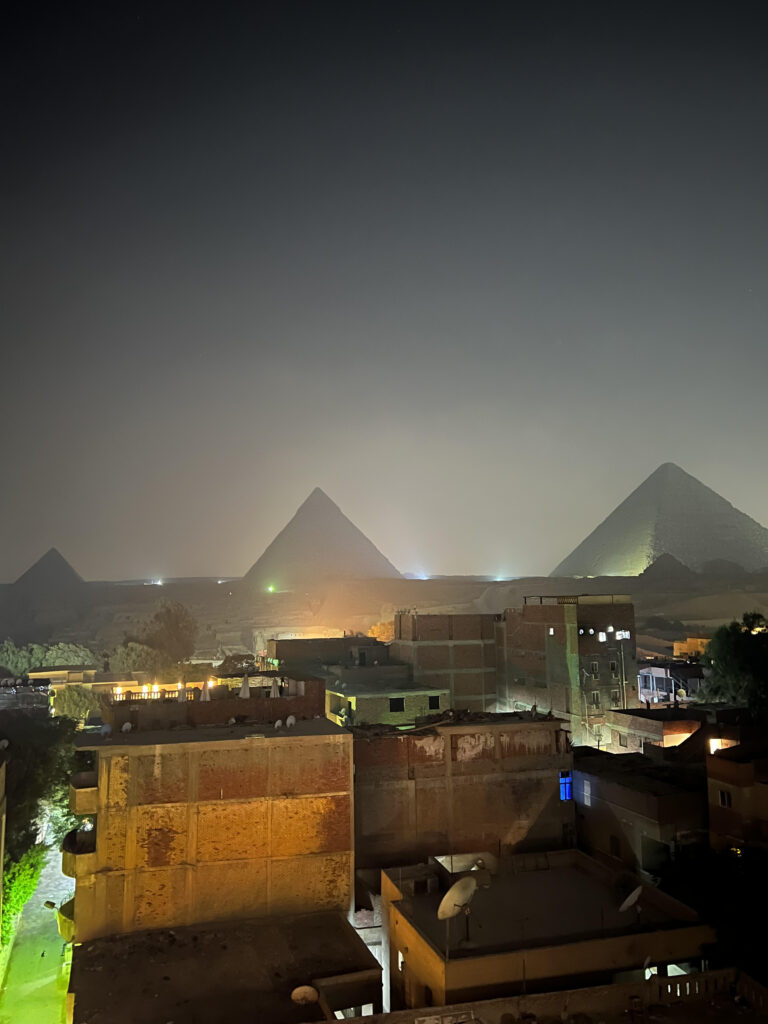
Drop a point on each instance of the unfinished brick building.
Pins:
(574, 655)
(211, 823)
(497, 783)
(453, 652)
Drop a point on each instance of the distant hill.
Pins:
(319, 543)
(670, 513)
(51, 574)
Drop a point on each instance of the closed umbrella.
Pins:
(245, 689)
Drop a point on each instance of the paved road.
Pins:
(36, 985)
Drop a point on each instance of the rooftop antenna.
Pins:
(456, 901)
(633, 900)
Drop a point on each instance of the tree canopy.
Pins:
(76, 702)
(172, 631)
(737, 658)
(132, 656)
(21, 660)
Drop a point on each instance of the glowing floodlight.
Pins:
(271, 588)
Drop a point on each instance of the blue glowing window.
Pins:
(566, 786)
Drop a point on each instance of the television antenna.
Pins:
(456, 901)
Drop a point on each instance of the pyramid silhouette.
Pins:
(319, 543)
(670, 513)
(51, 573)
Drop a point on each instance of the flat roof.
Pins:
(453, 719)
(206, 734)
(543, 900)
(383, 688)
(640, 773)
(231, 973)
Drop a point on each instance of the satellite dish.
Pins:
(126, 727)
(632, 899)
(279, 724)
(305, 994)
(3, 744)
(105, 730)
(458, 898)
(231, 721)
(290, 721)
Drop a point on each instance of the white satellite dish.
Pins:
(458, 898)
(290, 721)
(3, 744)
(279, 724)
(632, 899)
(303, 994)
(126, 727)
(105, 730)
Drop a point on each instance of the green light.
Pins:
(270, 589)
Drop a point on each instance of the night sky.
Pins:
(473, 269)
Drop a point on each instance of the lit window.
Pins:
(602, 637)
(725, 798)
(551, 630)
(715, 744)
(400, 960)
(609, 629)
(566, 785)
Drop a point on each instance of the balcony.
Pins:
(65, 919)
(84, 793)
(78, 853)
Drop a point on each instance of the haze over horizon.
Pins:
(475, 271)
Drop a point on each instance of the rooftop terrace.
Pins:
(207, 734)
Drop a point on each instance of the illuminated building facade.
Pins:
(574, 655)
(450, 652)
(209, 824)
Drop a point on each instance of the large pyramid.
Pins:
(670, 513)
(51, 573)
(319, 543)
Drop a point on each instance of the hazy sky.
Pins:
(474, 269)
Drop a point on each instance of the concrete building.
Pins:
(638, 811)
(737, 784)
(313, 652)
(453, 652)
(574, 655)
(225, 973)
(467, 782)
(211, 823)
(382, 702)
(535, 923)
(668, 682)
(634, 730)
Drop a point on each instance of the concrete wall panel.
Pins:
(232, 831)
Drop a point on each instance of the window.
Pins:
(614, 668)
(400, 960)
(614, 698)
(551, 630)
(725, 798)
(587, 793)
(595, 670)
(601, 637)
(434, 703)
(595, 699)
(622, 740)
(397, 703)
(566, 785)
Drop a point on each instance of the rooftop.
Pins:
(233, 973)
(547, 900)
(638, 772)
(207, 734)
(381, 688)
(463, 720)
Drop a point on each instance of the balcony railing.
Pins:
(84, 793)
(78, 853)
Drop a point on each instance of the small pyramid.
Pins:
(667, 568)
(319, 543)
(670, 513)
(52, 572)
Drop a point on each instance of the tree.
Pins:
(131, 657)
(737, 658)
(172, 631)
(384, 631)
(68, 654)
(237, 664)
(76, 702)
(40, 761)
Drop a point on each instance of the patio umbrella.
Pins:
(245, 689)
(275, 691)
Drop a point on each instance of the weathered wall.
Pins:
(460, 789)
(166, 714)
(375, 708)
(202, 831)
